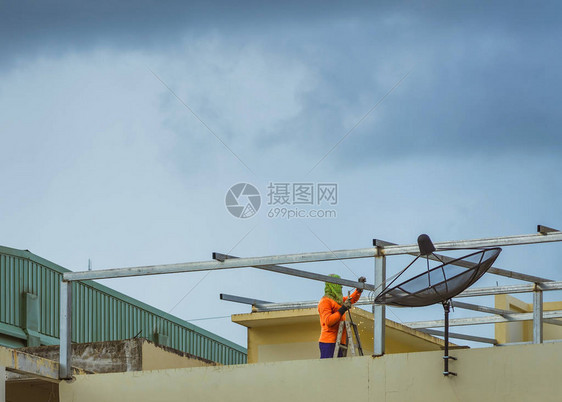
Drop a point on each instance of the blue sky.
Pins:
(100, 160)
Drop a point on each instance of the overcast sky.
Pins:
(124, 124)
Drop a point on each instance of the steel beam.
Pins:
(498, 290)
(307, 257)
(16, 361)
(363, 301)
(379, 310)
(216, 265)
(518, 275)
(503, 313)
(552, 321)
(302, 274)
(474, 292)
(460, 336)
(65, 363)
(537, 317)
(461, 263)
(527, 343)
(478, 243)
(287, 306)
(545, 229)
(243, 300)
(482, 320)
(483, 309)
(493, 270)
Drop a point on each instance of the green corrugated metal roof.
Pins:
(99, 313)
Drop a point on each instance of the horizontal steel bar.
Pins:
(483, 309)
(466, 264)
(305, 257)
(552, 321)
(528, 343)
(216, 265)
(302, 274)
(460, 336)
(24, 363)
(485, 291)
(243, 300)
(303, 304)
(286, 306)
(517, 275)
(478, 243)
(507, 289)
(503, 313)
(499, 290)
(482, 320)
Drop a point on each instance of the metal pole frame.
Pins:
(65, 367)
(537, 316)
(378, 252)
(306, 257)
(379, 310)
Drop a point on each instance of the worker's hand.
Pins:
(345, 306)
(361, 279)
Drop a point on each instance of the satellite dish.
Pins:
(439, 284)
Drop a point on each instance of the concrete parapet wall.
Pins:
(514, 373)
(118, 356)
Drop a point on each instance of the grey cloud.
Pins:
(488, 91)
(485, 78)
(30, 28)
(49, 26)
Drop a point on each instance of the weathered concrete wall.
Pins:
(514, 373)
(120, 356)
(99, 357)
(156, 357)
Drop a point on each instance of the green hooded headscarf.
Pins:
(333, 291)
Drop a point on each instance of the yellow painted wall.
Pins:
(522, 331)
(293, 335)
(512, 373)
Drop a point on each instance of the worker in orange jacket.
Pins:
(332, 308)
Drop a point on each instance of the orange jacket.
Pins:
(330, 318)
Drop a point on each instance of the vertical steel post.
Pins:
(446, 357)
(379, 312)
(537, 317)
(65, 368)
(446, 306)
(2, 384)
